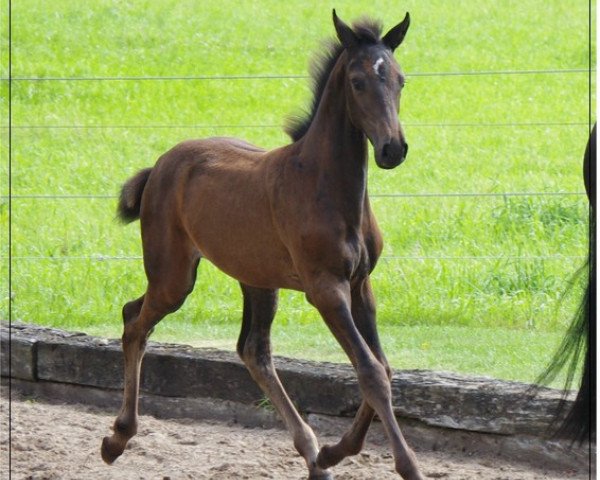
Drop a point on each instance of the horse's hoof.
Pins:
(321, 476)
(110, 450)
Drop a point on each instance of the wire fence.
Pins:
(270, 77)
(104, 258)
(267, 126)
(286, 76)
(372, 195)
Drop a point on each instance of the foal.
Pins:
(295, 217)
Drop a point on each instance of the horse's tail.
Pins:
(579, 343)
(130, 200)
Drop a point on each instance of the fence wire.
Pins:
(373, 195)
(103, 258)
(269, 126)
(268, 77)
(144, 78)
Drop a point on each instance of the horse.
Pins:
(296, 217)
(578, 423)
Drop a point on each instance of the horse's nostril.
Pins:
(405, 149)
(385, 149)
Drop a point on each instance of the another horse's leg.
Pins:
(171, 272)
(254, 347)
(332, 298)
(363, 313)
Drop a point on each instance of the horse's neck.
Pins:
(338, 150)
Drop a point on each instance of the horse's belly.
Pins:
(246, 247)
(265, 268)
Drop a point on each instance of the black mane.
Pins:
(368, 32)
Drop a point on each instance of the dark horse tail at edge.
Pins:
(579, 423)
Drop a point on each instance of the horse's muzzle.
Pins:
(391, 154)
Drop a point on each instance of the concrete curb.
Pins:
(184, 382)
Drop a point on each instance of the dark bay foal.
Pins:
(295, 217)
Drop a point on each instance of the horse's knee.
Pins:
(374, 380)
(256, 354)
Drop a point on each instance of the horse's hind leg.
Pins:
(254, 347)
(171, 274)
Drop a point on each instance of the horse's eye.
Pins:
(358, 84)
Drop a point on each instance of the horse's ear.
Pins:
(395, 36)
(344, 32)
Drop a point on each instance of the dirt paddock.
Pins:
(53, 441)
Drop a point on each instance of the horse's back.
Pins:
(235, 144)
(199, 152)
(193, 163)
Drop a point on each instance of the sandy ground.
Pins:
(63, 442)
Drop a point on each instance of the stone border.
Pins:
(179, 379)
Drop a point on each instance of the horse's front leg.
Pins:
(254, 347)
(332, 298)
(363, 314)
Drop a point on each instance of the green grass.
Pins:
(469, 284)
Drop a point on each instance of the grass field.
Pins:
(468, 283)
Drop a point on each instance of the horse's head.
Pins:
(373, 83)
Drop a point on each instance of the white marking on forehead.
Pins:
(377, 65)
